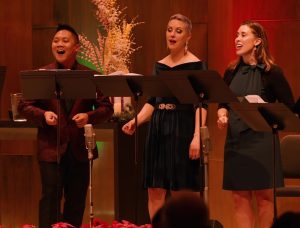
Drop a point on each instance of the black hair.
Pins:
(68, 28)
(185, 209)
(288, 219)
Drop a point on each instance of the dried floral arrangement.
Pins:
(113, 49)
(115, 40)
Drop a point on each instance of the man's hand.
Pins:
(51, 118)
(81, 119)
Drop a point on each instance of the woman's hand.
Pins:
(194, 151)
(81, 119)
(222, 121)
(129, 127)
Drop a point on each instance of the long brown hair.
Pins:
(262, 53)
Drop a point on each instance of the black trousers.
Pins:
(70, 179)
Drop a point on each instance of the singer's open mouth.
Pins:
(61, 52)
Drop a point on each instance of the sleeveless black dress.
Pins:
(166, 161)
(248, 158)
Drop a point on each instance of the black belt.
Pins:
(163, 106)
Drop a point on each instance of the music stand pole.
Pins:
(275, 135)
(203, 160)
(268, 117)
(191, 87)
(137, 92)
(120, 86)
(58, 94)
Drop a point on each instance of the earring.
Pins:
(186, 48)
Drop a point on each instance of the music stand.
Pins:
(136, 86)
(268, 117)
(153, 86)
(59, 84)
(76, 84)
(191, 87)
(198, 87)
(121, 86)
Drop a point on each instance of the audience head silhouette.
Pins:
(287, 220)
(185, 209)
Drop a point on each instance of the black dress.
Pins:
(167, 164)
(248, 158)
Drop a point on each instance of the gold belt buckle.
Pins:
(167, 106)
(170, 106)
(161, 106)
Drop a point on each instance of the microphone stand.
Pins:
(205, 151)
(90, 145)
(58, 94)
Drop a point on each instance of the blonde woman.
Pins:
(172, 149)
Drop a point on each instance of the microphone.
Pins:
(206, 143)
(89, 135)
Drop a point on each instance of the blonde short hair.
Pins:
(184, 19)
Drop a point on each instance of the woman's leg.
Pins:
(265, 206)
(174, 193)
(243, 210)
(156, 199)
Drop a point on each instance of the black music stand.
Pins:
(76, 84)
(117, 85)
(152, 86)
(135, 86)
(38, 84)
(268, 117)
(192, 86)
(60, 84)
(198, 87)
(121, 86)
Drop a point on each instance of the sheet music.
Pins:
(43, 69)
(254, 99)
(118, 73)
